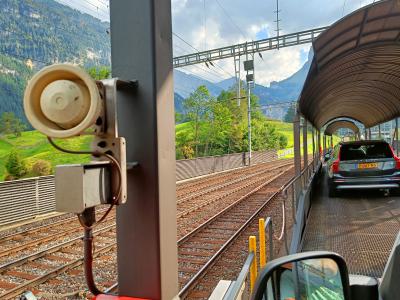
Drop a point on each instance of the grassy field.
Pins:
(32, 145)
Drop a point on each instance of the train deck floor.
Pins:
(359, 225)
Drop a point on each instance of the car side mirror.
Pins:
(308, 275)
(327, 156)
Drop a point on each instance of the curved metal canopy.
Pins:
(336, 125)
(355, 71)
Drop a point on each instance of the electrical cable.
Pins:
(230, 18)
(88, 244)
(88, 261)
(344, 4)
(191, 46)
(95, 154)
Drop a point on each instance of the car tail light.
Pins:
(335, 166)
(397, 159)
(397, 162)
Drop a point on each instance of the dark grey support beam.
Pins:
(397, 136)
(305, 146)
(141, 48)
(296, 143)
(379, 131)
(319, 142)
(313, 141)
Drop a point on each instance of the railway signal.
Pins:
(63, 101)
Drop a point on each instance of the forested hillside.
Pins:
(34, 33)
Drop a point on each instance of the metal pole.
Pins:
(296, 138)
(331, 141)
(141, 48)
(249, 118)
(379, 131)
(305, 146)
(369, 133)
(319, 142)
(237, 74)
(397, 136)
(313, 141)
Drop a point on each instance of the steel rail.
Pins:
(44, 252)
(226, 209)
(189, 285)
(34, 229)
(193, 182)
(237, 180)
(15, 292)
(25, 245)
(227, 194)
(203, 225)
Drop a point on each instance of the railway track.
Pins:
(28, 271)
(227, 262)
(197, 184)
(205, 208)
(17, 245)
(198, 249)
(33, 269)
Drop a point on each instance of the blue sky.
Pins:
(206, 24)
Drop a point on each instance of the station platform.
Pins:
(359, 225)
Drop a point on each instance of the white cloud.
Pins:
(178, 5)
(238, 21)
(252, 17)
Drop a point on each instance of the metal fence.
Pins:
(28, 198)
(189, 168)
(291, 217)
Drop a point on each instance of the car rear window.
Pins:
(365, 151)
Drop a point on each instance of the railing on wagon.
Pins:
(249, 271)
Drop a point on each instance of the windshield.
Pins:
(365, 151)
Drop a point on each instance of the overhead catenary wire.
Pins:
(344, 4)
(210, 71)
(204, 73)
(197, 50)
(85, 8)
(230, 19)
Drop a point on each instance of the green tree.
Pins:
(99, 73)
(9, 123)
(41, 168)
(197, 108)
(15, 166)
(18, 127)
(289, 116)
(6, 122)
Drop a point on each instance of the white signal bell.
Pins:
(62, 101)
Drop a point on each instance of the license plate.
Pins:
(368, 166)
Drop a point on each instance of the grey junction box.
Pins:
(81, 186)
